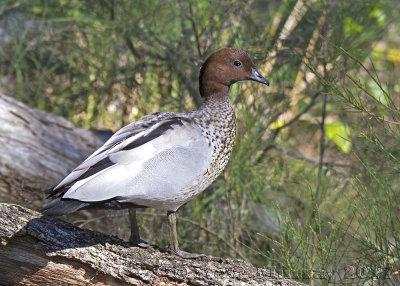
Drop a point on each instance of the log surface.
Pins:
(39, 250)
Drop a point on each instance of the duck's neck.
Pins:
(210, 88)
(218, 105)
(217, 114)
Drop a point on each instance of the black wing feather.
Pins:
(160, 130)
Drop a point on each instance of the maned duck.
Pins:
(164, 159)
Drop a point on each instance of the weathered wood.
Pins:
(38, 250)
(37, 149)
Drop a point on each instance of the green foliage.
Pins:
(339, 133)
(312, 188)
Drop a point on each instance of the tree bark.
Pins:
(38, 250)
(37, 150)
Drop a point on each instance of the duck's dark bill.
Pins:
(256, 76)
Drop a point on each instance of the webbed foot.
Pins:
(185, 254)
(137, 241)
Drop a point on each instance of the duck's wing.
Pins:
(128, 138)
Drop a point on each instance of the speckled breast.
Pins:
(223, 150)
(222, 145)
(219, 130)
(221, 142)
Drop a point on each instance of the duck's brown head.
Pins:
(225, 67)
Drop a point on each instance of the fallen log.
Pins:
(37, 250)
(37, 150)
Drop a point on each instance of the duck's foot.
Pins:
(135, 237)
(139, 242)
(173, 244)
(185, 254)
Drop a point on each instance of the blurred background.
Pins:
(312, 188)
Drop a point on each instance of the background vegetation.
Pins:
(312, 189)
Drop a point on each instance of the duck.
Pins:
(162, 160)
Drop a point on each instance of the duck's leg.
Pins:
(135, 237)
(173, 236)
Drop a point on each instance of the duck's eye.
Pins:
(237, 63)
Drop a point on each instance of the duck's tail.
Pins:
(60, 206)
